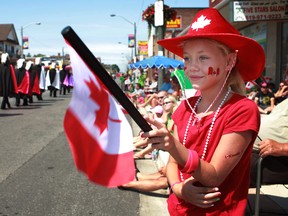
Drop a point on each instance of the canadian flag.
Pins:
(250, 85)
(98, 132)
(266, 79)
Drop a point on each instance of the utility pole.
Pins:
(160, 33)
(135, 31)
(22, 28)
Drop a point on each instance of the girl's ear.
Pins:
(231, 61)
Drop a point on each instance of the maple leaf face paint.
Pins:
(213, 72)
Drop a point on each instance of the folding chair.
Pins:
(258, 186)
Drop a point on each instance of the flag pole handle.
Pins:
(96, 67)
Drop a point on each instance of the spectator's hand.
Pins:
(270, 147)
(203, 197)
(162, 171)
(285, 91)
(268, 110)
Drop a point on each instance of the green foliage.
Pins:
(115, 68)
(39, 55)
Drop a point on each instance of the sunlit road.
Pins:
(37, 172)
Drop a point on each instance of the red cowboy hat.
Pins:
(209, 23)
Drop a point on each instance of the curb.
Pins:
(151, 203)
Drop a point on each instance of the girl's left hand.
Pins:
(203, 197)
(159, 137)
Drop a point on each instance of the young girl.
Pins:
(208, 169)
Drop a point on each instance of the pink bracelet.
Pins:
(171, 188)
(192, 162)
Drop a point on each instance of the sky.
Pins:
(105, 36)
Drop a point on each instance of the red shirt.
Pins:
(237, 114)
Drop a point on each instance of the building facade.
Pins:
(9, 41)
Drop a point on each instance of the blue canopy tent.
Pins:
(158, 62)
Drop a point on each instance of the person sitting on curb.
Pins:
(282, 93)
(138, 95)
(148, 182)
(158, 180)
(155, 113)
(169, 106)
(151, 101)
(152, 88)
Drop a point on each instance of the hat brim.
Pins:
(251, 56)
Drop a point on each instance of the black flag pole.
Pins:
(96, 67)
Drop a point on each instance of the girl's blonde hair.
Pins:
(234, 80)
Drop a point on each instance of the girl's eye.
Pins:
(202, 58)
(186, 59)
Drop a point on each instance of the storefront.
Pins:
(266, 22)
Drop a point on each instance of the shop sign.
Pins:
(25, 42)
(260, 10)
(131, 40)
(143, 48)
(174, 24)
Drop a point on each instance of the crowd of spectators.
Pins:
(266, 95)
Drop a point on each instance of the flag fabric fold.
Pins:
(99, 135)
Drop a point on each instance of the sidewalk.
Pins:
(273, 198)
(153, 203)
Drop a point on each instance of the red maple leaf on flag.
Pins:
(100, 96)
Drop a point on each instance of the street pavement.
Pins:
(37, 173)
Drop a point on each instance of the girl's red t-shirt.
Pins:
(236, 115)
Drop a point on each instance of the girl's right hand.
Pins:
(203, 197)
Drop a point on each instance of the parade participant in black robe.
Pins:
(32, 75)
(70, 81)
(36, 71)
(63, 74)
(40, 77)
(7, 81)
(22, 77)
(53, 80)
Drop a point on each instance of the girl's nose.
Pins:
(190, 66)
